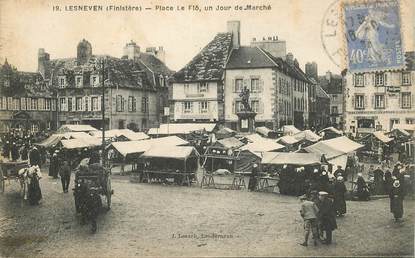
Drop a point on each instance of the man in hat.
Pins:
(34, 157)
(282, 184)
(327, 216)
(65, 174)
(339, 196)
(396, 200)
(323, 180)
(253, 178)
(339, 172)
(14, 152)
(378, 178)
(309, 213)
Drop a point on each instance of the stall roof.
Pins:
(56, 138)
(291, 158)
(290, 130)
(287, 139)
(75, 128)
(334, 147)
(307, 135)
(81, 143)
(230, 143)
(133, 147)
(129, 134)
(332, 129)
(263, 130)
(407, 127)
(172, 152)
(382, 137)
(166, 129)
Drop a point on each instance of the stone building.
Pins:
(26, 101)
(208, 88)
(135, 87)
(332, 85)
(322, 108)
(378, 100)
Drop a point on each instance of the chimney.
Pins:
(161, 54)
(131, 50)
(234, 28)
(328, 76)
(84, 52)
(43, 62)
(289, 58)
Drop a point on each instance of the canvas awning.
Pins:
(291, 158)
(166, 129)
(290, 130)
(75, 128)
(261, 144)
(334, 147)
(127, 133)
(224, 133)
(307, 135)
(287, 139)
(332, 129)
(230, 143)
(170, 152)
(56, 138)
(81, 143)
(407, 127)
(264, 131)
(382, 137)
(138, 147)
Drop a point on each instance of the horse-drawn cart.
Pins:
(92, 177)
(9, 170)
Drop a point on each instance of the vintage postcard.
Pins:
(206, 128)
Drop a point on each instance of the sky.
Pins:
(27, 25)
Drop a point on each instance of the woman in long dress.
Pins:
(339, 199)
(396, 197)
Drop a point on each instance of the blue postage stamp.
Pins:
(373, 35)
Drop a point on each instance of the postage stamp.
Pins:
(373, 35)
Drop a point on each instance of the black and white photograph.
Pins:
(206, 128)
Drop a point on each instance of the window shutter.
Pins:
(386, 77)
(412, 100)
(386, 100)
(373, 101)
(99, 103)
(261, 107)
(261, 85)
(373, 79)
(400, 100)
(365, 104)
(83, 99)
(354, 80)
(74, 104)
(364, 79)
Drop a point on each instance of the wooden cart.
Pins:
(9, 170)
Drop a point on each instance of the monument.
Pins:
(246, 117)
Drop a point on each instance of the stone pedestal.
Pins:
(246, 121)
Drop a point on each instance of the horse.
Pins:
(26, 175)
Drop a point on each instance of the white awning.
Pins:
(166, 129)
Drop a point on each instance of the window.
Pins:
(359, 102)
(406, 100)
(69, 104)
(47, 104)
(78, 81)
(62, 81)
(41, 103)
(132, 104)
(379, 101)
(35, 128)
(144, 104)
(334, 96)
(23, 103)
(406, 78)
(334, 110)
(119, 103)
(34, 104)
(187, 107)
(379, 79)
(95, 104)
(238, 106)
(255, 87)
(186, 88)
(78, 103)
(239, 85)
(94, 80)
(3, 103)
(255, 106)
(16, 103)
(203, 87)
(62, 104)
(53, 101)
(6, 83)
(162, 81)
(203, 108)
(409, 121)
(359, 80)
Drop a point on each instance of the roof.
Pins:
(230, 143)
(166, 129)
(209, 64)
(129, 134)
(263, 130)
(332, 86)
(290, 130)
(134, 147)
(56, 138)
(75, 128)
(406, 127)
(287, 139)
(248, 57)
(260, 144)
(334, 147)
(290, 158)
(332, 129)
(170, 152)
(320, 93)
(307, 135)
(381, 136)
(81, 143)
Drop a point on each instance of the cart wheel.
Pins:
(109, 193)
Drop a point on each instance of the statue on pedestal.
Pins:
(245, 99)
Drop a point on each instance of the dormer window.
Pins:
(94, 80)
(78, 81)
(62, 81)
(203, 87)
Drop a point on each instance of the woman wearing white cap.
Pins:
(362, 189)
(396, 203)
(339, 200)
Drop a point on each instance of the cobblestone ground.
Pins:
(146, 220)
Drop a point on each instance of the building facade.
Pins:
(378, 100)
(224, 68)
(333, 85)
(322, 108)
(135, 87)
(26, 101)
